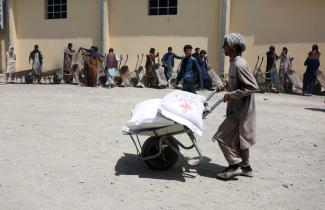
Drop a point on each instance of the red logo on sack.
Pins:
(186, 106)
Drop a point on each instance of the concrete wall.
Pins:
(295, 24)
(133, 31)
(81, 28)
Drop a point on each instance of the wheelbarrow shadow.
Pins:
(129, 164)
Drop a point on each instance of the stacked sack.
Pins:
(178, 106)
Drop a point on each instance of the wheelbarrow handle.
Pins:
(217, 103)
(212, 94)
(209, 110)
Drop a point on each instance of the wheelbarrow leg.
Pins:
(200, 157)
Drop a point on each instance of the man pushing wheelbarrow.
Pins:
(237, 132)
(181, 112)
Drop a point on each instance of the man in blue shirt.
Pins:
(203, 63)
(190, 69)
(168, 62)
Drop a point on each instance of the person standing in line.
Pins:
(37, 58)
(67, 60)
(196, 55)
(285, 65)
(11, 63)
(168, 62)
(151, 60)
(237, 133)
(190, 69)
(111, 65)
(93, 58)
(203, 62)
(271, 71)
(312, 62)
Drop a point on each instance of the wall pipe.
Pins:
(102, 36)
(222, 35)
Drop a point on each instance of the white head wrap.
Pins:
(11, 49)
(234, 39)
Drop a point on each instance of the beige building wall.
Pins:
(31, 27)
(295, 24)
(132, 31)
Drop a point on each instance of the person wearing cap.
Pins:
(189, 71)
(237, 134)
(168, 62)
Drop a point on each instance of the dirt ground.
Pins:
(62, 148)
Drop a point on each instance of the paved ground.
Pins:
(62, 148)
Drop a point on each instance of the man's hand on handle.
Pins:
(227, 97)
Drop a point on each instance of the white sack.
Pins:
(184, 108)
(145, 115)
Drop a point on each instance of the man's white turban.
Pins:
(234, 39)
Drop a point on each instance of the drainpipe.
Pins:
(222, 35)
(10, 18)
(103, 26)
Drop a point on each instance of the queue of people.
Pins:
(275, 79)
(193, 69)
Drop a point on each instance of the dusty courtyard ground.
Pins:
(62, 148)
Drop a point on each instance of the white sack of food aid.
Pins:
(184, 108)
(145, 115)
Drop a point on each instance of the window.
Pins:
(56, 9)
(162, 7)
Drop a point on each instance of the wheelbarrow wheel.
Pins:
(168, 156)
(67, 78)
(56, 79)
(118, 81)
(317, 88)
(102, 80)
(134, 81)
(155, 83)
(287, 86)
(29, 78)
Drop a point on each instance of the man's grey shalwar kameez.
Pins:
(237, 133)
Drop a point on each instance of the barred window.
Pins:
(56, 9)
(162, 7)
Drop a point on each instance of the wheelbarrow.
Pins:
(52, 76)
(162, 150)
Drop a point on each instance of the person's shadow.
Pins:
(130, 164)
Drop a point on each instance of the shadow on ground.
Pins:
(316, 109)
(130, 164)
